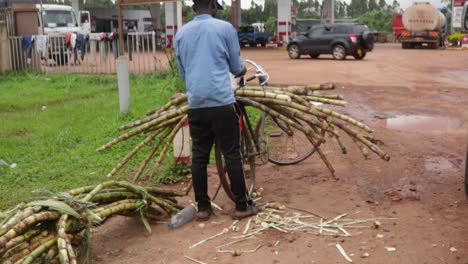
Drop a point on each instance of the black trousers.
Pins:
(221, 123)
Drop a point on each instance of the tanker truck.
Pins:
(424, 26)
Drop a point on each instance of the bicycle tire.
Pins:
(289, 133)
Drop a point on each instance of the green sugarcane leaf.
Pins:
(57, 206)
(145, 222)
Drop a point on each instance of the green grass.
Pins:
(54, 148)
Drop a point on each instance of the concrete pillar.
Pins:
(284, 21)
(4, 56)
(236, 14)
(173, 21)
(155, 10)
(78, 5)
(328, 12)
(123, 84)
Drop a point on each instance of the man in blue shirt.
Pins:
(207, 51)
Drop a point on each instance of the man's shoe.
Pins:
(204, 215)
(251, 210)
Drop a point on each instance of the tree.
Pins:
(382, 4)
(372, 6)
(270, 25)
(99, 4)
(395, 5)
(377, 20)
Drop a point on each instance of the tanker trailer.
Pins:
(425, 26)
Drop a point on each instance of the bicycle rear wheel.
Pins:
(286, 145)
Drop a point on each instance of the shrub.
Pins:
(455, 38)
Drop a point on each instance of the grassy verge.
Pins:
(52, 124)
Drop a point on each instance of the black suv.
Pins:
(336, 39)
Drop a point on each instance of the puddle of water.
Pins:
(417, 123)
(438, 164)
(455, 75)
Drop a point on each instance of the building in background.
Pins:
(105, 20)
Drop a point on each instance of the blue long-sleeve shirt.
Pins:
(207, 50)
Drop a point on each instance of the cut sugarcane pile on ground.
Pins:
(291, 105)
(56, 229)
(278, 217)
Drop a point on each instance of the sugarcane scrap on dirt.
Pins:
(292, 105)
(55, 229)
(281, 219)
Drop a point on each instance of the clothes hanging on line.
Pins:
(42, 42)
(27, 43)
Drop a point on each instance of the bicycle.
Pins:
(264, 143)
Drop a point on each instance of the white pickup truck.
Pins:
(61, 19)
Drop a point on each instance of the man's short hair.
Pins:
(202, 3)
(206, 4)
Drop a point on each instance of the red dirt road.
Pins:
(421, 186)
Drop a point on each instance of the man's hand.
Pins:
(242, 73)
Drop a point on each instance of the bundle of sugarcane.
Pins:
(55, 229)
(295, 106)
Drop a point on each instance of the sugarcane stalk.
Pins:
(81, 190)
(97, 189)
(370, 145)
(14, 250)
(323, 86)
(163, 192)
(165, 124)
(133, 152)
(20, 215)
(113, 196)
(38, 237)
(326, 101)
(20, 239)
(18, 257)
(176, 101)
(114, 204)
(150, 154)
(309, 110)
(38, 251)
(275, 114)
(328, 96)
(146, 120)
(27, 222)
(142, 128)
(262, 93)
(71, 251)
(169, 142)
(344, 118)
(338, 138)
(119, 208)
(322, 155)
(61, 239)
(169, 209)
(51, 254)
(361, 146)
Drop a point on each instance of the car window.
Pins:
(360, 28)
(341, 29)
(316, 32)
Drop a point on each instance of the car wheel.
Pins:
(359, 55)
(294, 52)
(314, 55)
(339, 52)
